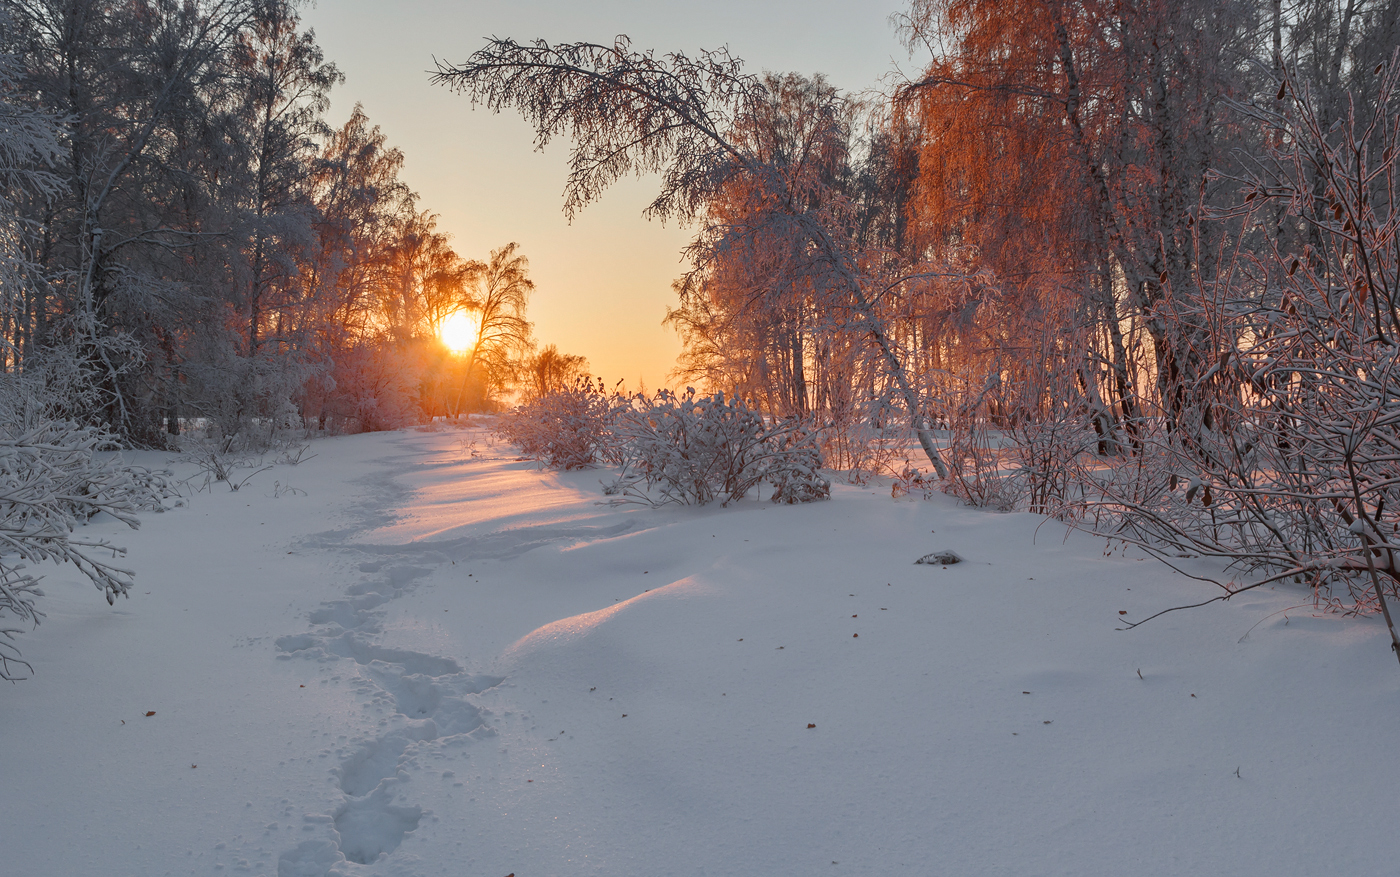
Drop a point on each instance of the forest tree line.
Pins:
(189, 237)
(1038, 211)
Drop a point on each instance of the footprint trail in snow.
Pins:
(428, 703)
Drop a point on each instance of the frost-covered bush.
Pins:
(685, 449)
(1282, 457)
(51, 478)
(571, 428)
(692, 449)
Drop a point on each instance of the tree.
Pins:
(28, 153)
(498, 299)
(1070, 143)
(633, 112)
(130, 83)
(1294, 477)
(550, 371)
(283, 82)
(749, 308)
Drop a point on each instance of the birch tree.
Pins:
(1084, 132)
(634, 112)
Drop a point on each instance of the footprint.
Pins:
(349, 614)
(310, 858)
(371, 827)
(431, 694)
(412, 662)
(297, 643)
(401, 575)
(378, 760)
(440, 698)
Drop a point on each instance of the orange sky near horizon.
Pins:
(603, 284)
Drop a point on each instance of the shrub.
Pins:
(685, 449)
(571, 428)
(692, 450)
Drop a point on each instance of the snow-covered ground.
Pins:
(400, 659)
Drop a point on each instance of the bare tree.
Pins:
(550, 371)
(499, 297)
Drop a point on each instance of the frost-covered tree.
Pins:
(1290, 466)
(633, 112)
(29, 151)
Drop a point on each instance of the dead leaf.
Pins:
(811, 725)
(150, 713)
(1122, 612)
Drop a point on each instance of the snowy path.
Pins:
(422, 663)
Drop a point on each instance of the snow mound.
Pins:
(570, 632)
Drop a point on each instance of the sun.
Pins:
(458, 331)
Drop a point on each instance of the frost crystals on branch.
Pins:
(51, 479)
(1291, 467)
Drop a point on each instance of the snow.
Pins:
(422, 662)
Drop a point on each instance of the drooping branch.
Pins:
(626, 112)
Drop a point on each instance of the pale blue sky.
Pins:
(604, 283)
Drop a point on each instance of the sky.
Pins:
(603, 283)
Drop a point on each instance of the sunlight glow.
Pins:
(458, 331)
